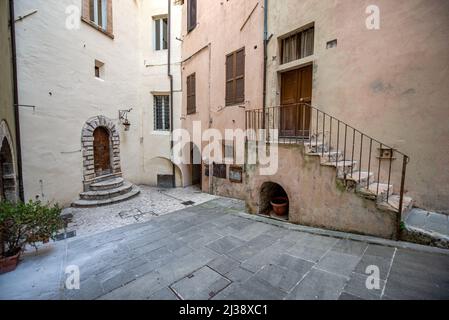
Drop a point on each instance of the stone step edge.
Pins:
(135, 191)
(113, 183)
(106, 194)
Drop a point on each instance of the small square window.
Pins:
(99, 69)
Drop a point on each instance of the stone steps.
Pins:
(106, 177)
(355, 178)
(376, 191)
(360, 177)
(106, 193)
(106, 190)
(107, 184)
(135, 191)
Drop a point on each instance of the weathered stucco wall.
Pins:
(223, 27)
(56, 73)
(316, 199)
(391, 83)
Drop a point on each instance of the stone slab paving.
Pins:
(210, 251)
(152, 202)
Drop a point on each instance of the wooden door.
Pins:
(196, 167)
(102, 156)
(296, 96)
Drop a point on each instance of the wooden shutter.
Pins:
(191, 94)
(191, 15)
(235, 77)
(230, 79)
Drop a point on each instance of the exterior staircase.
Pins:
(363, 165)
(106, 190)
(356, 178)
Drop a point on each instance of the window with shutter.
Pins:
(191, 15)
(235, 77)
(191, 94)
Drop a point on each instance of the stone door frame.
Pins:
(87, 143)
(6, 134)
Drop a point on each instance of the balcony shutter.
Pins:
(235, 77)
(240, 77)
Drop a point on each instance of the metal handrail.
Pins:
(257, 119)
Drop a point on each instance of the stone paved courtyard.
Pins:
(214, 251)
(151, 203)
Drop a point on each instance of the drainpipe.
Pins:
(265, 58)
(170, 76)
(16, 101)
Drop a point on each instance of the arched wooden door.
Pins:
(102, 154)
(7, 179)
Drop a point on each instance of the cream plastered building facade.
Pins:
(389, 82)
(57, 61)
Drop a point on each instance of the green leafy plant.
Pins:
(27, 223)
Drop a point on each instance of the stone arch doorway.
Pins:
(102, 155)
(8, 189)
(268, 192)
(100, 143)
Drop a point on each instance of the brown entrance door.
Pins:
(102, 156)
(296, 97)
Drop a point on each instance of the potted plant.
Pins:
(280, 205)
(24, 224)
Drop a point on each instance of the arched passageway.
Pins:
(7, 176)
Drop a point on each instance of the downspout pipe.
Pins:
(265, 59)
(16, 101)
(170, 77)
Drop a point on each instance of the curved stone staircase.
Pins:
(106, 190)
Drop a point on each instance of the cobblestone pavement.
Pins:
(152, 202)
(210, 251)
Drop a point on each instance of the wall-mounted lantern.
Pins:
(123, 117)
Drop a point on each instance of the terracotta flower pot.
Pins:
(280, 206)
(9, 264)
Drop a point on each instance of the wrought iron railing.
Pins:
(338, 142)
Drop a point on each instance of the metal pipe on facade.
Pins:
(16, 101)
(170, 76)
(265, 58)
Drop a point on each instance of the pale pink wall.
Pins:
(389, 83)
(315, 199)
(220, 28)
